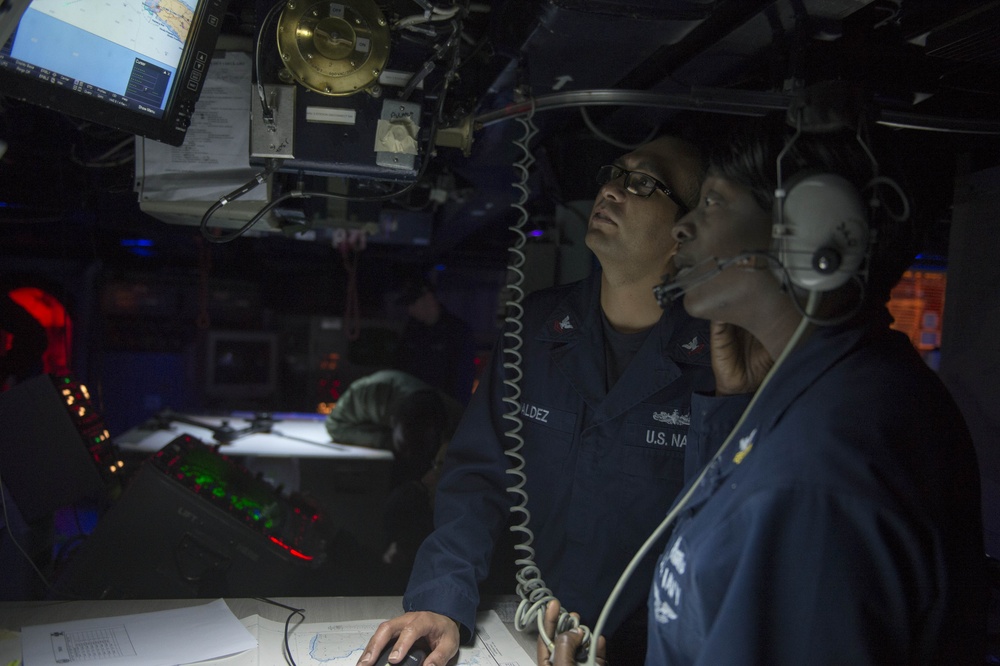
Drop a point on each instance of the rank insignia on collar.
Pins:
(562, 325)
(694, 346)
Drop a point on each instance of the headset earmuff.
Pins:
(821, 230)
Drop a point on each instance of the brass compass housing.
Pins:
(334, 48)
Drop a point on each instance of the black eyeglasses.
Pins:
(637, 183)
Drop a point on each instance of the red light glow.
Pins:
(291, 550)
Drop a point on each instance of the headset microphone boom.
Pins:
(673, 288)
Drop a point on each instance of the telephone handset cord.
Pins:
(534, 595)
(530, 586)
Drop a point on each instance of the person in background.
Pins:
(840, 522)
(393, 410)
(436, 345)
(605, 405)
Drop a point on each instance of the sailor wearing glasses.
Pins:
(605, 405)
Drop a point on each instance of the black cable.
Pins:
(449, 49)
(274, 165)
(266, 113)
(288, 650)
(271, 166)
(294, 611)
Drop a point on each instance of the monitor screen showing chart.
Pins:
(136, 65)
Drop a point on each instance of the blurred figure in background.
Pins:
(436, 345)
(393, 410)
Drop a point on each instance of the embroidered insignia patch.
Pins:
(746, 444)
(693, 346)
(562, 325)
(673, 418)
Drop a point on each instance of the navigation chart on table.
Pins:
(341, 643)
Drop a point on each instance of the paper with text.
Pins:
(341, 643)
(160, 638)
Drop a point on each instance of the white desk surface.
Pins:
(17, 614)
(292, 436)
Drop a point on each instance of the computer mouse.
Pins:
(414, 657)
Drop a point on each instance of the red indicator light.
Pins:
(290, 549)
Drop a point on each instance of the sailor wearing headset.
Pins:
(605, 406)
(840, 521)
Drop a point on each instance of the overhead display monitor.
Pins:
(135, 65)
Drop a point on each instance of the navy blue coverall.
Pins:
(841, 525)
(602, 466)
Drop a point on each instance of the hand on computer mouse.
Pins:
(437, 634)
(414, 656)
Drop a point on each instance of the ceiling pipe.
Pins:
(718, 100)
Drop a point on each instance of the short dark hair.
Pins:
(422, 416)
(411, 290)
(749, 157)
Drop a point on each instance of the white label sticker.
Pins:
(322, 114)
(394, 77)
